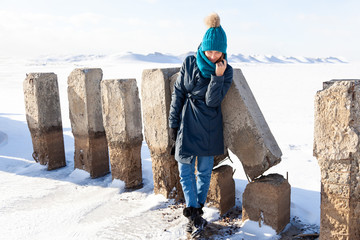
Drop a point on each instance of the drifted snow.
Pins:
(68, 204)
(169, 58)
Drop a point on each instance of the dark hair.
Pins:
(221, 58)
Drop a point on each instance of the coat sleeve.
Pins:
(218, 87)
(177, 99)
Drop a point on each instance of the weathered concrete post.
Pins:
(336, 146)
(123, 126)
(246, 132)
(91, 151)
(248, 136)
(267, 200)
(222, 189)
(43, 115)
(156, 99)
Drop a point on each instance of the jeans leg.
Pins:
(188, 183)
(204, 168)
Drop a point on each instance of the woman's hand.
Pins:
(173, 133)
(220, 68)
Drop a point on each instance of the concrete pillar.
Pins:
(156, 99)
(43, 115)
(246, 132)
(336, 146)
(267, 200)
(123, 126)
(91, 151)
(222, 189)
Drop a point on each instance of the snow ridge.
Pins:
(158, 57)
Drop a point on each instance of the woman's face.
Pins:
(213, 56)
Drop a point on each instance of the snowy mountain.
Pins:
(157, 57)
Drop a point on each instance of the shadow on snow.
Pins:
(16, 157)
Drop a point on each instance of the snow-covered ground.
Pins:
(68, 204)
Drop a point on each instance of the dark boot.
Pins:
(199, 221)
(200, 210)
(189, 214)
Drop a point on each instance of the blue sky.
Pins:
(314, 28)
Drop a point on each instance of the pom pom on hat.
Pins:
(215, 37)
(212, 21)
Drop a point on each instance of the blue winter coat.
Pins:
(196, 111)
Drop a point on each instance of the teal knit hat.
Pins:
(215, 37)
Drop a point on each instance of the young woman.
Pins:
(195, 118)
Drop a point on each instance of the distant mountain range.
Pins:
(168, 58)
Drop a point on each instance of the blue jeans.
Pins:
(196, 189)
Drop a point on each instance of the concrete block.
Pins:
(336, 141)
(267, 200)
(43, 115)
(222, 189)
(155, 100)
(123, 126)
(91, 151)
(246, 132)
